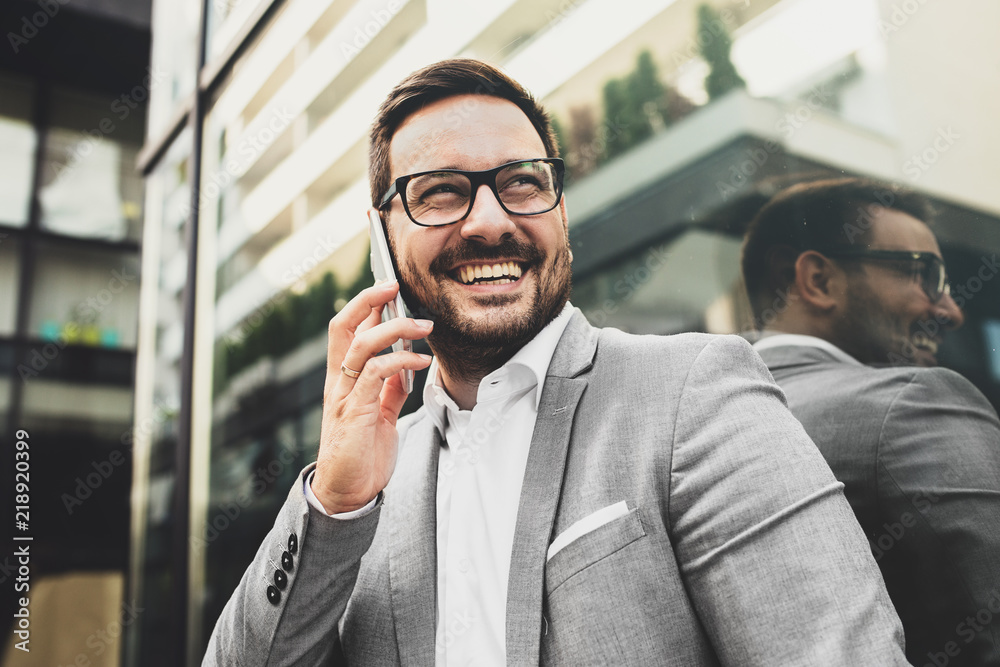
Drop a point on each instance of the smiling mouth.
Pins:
(489, 274)
(922, 341)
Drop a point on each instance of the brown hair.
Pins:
(822, 215)
(460, 76)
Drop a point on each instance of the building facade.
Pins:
(255, 163)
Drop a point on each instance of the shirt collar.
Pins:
(770, 339)
(534, 356)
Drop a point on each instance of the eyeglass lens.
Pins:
(441, 198)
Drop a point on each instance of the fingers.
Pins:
(384, 369)
(356, 313)
(392, 398)
(368, 343)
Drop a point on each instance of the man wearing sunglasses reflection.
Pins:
(851, 296)
(566, 495)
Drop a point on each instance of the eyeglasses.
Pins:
(445, 196)
(931, 273)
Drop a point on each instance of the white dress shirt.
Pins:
(480, 471)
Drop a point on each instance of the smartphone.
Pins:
(382, 268)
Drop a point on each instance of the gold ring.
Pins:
(349, 372)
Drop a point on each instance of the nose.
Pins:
(947, 310)
(487, 222)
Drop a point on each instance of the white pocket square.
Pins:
(587, 524)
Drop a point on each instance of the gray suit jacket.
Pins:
(739, 548)
(919, 452)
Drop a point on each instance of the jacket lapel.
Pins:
(413, 547)
(540, 493)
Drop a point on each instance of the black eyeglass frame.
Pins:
(486, 177)
(934, 292)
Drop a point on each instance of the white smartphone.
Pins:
(382, 269)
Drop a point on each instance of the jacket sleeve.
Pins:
(939, 497)
(300, 627)
(777, 567)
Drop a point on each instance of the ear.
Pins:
(818, 281)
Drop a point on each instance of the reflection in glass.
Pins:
(157, 430)
(85, 297)
(92, 189)
(10, 269)
(17, 146)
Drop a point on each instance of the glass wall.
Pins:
(155, 436)
(677, 124)
(18, 144)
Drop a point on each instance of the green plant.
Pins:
(722, 76)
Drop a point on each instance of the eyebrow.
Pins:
(459, 168)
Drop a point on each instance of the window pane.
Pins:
(10, 269)
(17, 150)
(174, 58)
(88, 297)
(90, 186)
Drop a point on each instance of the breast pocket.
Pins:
(592, 548)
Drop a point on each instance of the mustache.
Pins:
(469, 252)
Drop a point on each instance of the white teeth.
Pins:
(468, 274)
(922, 341)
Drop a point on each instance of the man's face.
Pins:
(888, 317)
(477, 132)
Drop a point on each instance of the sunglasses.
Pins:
(930, 270)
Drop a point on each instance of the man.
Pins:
(566, 495)
(847, 282)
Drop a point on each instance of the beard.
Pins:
(469, 349)
(873, 335)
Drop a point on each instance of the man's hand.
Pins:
(357, 450)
